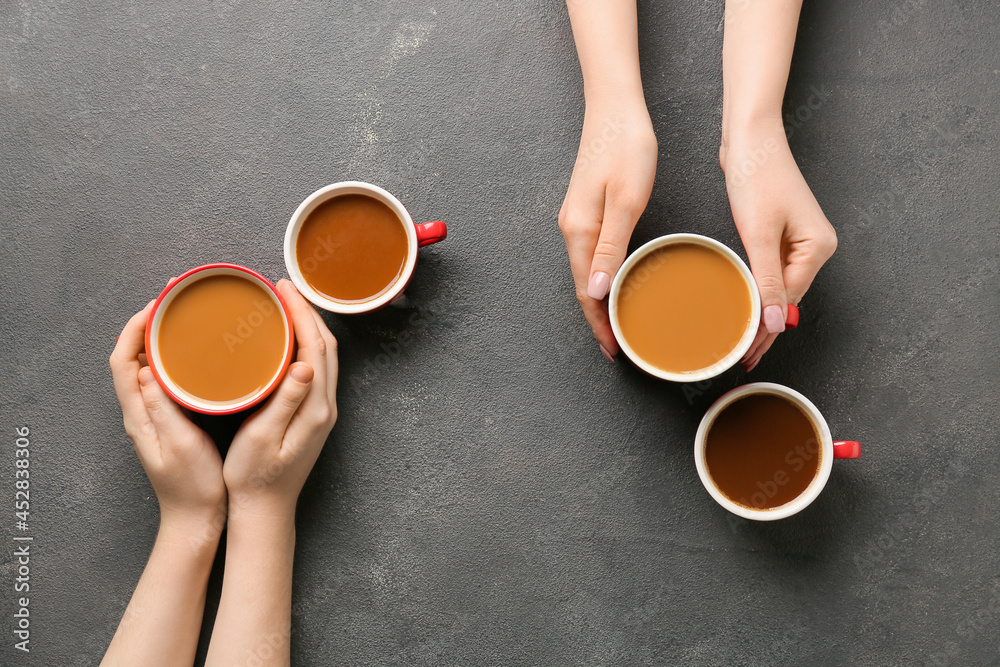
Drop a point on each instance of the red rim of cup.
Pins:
(264, 393)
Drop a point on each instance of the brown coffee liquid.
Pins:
(683, 307)
(222, 338)
(352, 248)
(762, 451)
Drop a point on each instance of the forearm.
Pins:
(756, 56)
(163, 620)
(607, 43)
(255, 612)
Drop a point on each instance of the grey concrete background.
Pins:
(496, 493)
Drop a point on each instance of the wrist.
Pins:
(613, 94)
(256, 523)
(751, 139)
(749, 128)
(262, 510)
(198, 531)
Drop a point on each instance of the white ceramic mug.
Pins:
(726, 361)
(829, 450)
(416, 236)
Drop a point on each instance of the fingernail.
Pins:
(607, 355)
(774, 320)
(302, 373)
(752, 365)
(145, 376)
(599, 284)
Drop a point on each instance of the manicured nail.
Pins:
(302, 373)
(753, 365)
(607, 355)
(145, 376)
(599, 284)
(774, 320)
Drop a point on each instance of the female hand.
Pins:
(786, 235)
(181, 461)
(163, 619)
(276, 447)
(609, 189)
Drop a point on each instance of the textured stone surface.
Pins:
(496, 493)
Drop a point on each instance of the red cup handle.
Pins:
(846, 449)
(792, 320)
(431, 232)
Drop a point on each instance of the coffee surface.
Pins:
(762, 451)
(222, 338)
(352, 248)
(683, 307)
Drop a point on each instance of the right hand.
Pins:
(609, 189)
(276, 447)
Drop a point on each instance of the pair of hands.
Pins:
(784, 231)
(271, 454)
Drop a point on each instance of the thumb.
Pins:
(612, 246)
(293, 390)
(804, 261)
(163, 412)
(765, 262)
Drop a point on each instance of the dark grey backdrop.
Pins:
(496, 493)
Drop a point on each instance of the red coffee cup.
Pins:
(827, 448)
(417, 235)
(185, 398)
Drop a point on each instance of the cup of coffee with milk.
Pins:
(351, 247)
(685, 308)
(219, 339)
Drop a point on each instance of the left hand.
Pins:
(786, 235)
(181, 460)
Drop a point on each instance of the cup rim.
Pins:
(815, 487)
(325, 194)
(723, 364)
(156, 315)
